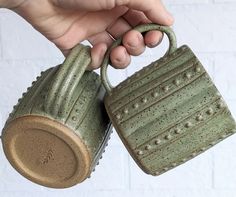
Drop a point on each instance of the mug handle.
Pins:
(141, 28)
(65, 82)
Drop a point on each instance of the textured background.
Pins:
(209, 27)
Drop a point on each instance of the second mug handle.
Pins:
(141, 28)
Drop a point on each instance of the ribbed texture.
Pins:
(66, 80)
(72, 96)
(151, 72)
(169, 112)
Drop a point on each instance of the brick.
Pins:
(225, 74)
(21, 41)
(201, 27)
(232, 107)
(17, 75)
(225, 164)
(208, 63)
(224, 159)
(15, 78)
(111, 172)
(13, 181)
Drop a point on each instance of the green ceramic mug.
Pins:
(168, 112)
(58, 130)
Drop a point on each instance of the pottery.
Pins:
(58, 130)
(170, 111)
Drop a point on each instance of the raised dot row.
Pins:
(178, 131)
(155, 94)
(194, 154)
(161, 60)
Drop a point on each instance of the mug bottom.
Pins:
(46, 152)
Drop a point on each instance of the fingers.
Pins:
(100, 44)
(119, 57)
(134, 18)
(133, 43)
(80, 29)
(153, 9)
(97, 53)
(118, 28)
(153, 38)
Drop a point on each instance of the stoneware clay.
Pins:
(58, 130)
(168, 112)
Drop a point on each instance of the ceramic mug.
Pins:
(168, 112)
(59, 128)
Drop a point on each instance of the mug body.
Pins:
(169, 112)
(59, 128)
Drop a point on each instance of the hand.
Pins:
(69, 22)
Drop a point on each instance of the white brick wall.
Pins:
(209, 27)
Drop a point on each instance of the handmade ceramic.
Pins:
(168, 112)
(58, 130)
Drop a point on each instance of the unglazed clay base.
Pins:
(46, 151)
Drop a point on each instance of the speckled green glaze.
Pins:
(72, 96)
(168, 112)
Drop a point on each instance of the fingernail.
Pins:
(151, 45)
(156, 41)
(154, 44)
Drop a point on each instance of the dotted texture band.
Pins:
(169, 112)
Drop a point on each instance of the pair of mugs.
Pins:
(165, 114)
